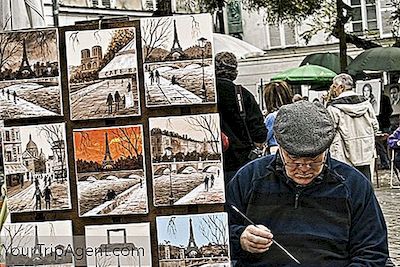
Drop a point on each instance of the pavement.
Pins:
(389, 199)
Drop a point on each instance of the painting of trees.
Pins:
(209, 125)
(155, 33)
(214, 228)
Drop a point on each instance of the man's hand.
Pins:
(256, 239)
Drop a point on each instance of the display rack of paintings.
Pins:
(138, 5)
(186, 160)
(29, 77)
(36, 168)
(38, 244)
(178, 60)
(119, 245)
(110, 171)
(193, 240)
(102, 73)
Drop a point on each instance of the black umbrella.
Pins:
(328, 60)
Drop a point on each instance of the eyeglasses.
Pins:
(315, 165)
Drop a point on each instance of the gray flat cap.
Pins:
(304, 129)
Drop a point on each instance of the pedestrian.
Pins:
(15, 97)
(354, 118)
(157, 76)
(212, 180)
(8, 93)
(323, 211)
(276, 95)
(110, 102)
(385, 111)
(141, 183)
(117, 99)
(151, 76)
(38, 198)
(232, 124)
(47, 196)
(206, 179)
(2, 91)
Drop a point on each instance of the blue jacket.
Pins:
(335, 221)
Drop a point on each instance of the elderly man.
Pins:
(324, 212)
(354, 118)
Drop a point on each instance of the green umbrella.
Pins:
(307, 74)
(378, 59)
(328, 60)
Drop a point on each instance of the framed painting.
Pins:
(186, 160)
(119, 245)
(178, 60)
(102, 73)
(29, 74)
(371, 89)
(36, 168)
(193, 240)
(110, 171)
(38, 244)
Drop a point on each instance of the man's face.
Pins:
(394, 93)
(302, 170)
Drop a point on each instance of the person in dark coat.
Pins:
(232, 124)
(117, 99)
(385, 112)
(109, 102)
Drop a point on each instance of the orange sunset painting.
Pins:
(110, 173)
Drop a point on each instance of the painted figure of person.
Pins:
(15, 97)
(151, 76)
(117, 99)
(109, 102)
(394, 95)
(367, 93)
(110, 194)
(8, 94)
(157, 75)
(206, 179)
(38, 198)
(47, 196)
(212, 180)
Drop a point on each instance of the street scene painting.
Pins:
(36, 169)
(111, 4)
(38, 244)
(178, 60)
(110, 171)
(29, 74)
(119, 245)
(371, 89)
(186, 160)
(193, 240)
(102, 73)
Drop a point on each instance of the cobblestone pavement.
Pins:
(389, 199)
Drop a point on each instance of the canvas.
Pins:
(178, 60)
(193, 240)
(102, 73)
(110, 171)
(36, 169)
(119, 245)
(393, 92)
(29, 74)
(39, 244)
(186, 160)
(371, 89)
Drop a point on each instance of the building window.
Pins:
(364, 17)
(281, 36)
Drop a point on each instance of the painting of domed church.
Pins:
(102, 73)
(35, 167)
(29, 74)
(110, 171)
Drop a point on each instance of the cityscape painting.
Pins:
(110, 171)
(38, 244)
(119, 245)
(29, 74)
(138, 5)
(36, 169)
(178, 60)
(102, 73)
(193, 240)
(186, 160)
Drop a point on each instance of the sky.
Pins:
(86, 40)
(189, 31)
(95, 147)
(182, 225)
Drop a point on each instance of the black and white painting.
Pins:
(193, 240)
(371, 89)
(186, 160)
(38, 244)
(110, 171)
(393, 92)
(119, 245)
(139, 5)
(102, 73)
(36, 169)
(29, 74)
(178, 60)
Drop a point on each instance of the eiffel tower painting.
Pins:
(192, 251)
(25, 70)
(176, 49)
(108, 162)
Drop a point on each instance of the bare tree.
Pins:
(214, 229)
(209, 126)
(85, 141)
(16, 236)
(130, 140)
(155, 33)
(10, 45)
